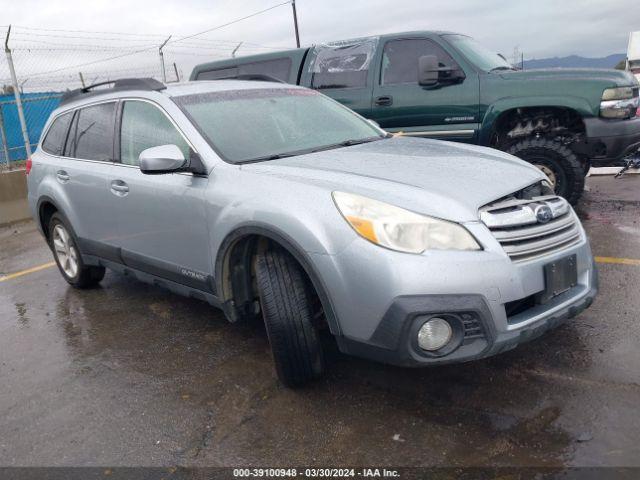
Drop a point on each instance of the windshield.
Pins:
(264, 123)
(481, 57)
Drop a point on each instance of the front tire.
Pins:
(563, 168)
(65, 250)
(288, 316)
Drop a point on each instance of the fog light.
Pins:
(434, 334)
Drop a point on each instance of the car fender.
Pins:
(52, 192)
(248, 228)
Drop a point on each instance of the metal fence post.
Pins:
(3, 139)
(16, 94)
(162, 70)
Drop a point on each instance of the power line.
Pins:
(115, 57)
(87, 31)
(231, 23)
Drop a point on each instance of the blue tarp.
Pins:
(37, 108)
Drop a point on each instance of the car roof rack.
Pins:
(258, 77)
(149, 84)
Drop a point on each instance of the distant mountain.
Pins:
(575, 61)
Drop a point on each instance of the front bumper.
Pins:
(612, 140)
(381, 298)
(393, 342)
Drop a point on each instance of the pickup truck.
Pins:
(447, 86)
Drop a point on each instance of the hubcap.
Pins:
(549, 173)
(65, 251)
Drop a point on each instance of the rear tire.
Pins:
(288, 316)
(557, 161)
(64, 246)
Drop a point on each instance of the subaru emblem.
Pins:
(543, 213)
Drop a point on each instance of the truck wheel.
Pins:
(63, 244)
(559, 164)
(287, 310)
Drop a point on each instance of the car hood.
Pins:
(607, 76)
(444, 179)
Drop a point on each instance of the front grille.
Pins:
(515, 224)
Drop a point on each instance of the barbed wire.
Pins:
(186, 44)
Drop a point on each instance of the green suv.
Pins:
(447, 86)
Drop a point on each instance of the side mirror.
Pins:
(428, 71)
(161, 159)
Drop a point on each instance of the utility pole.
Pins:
(164, 73)
(295, 22)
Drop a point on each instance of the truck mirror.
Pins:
(428, 70)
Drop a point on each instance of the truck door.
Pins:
(447, 110)
(343, 72)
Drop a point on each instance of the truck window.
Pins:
(400, 59)
(342, 65)
(54, 141)
(279, 68)
(218, 74)
(91, 136)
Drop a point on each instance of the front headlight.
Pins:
(399, 229)
(620, 102)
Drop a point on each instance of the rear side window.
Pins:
(218, 74)
(279, 68)
(53, 143)
(145, 126)
(400, 59)
(91, 135)
(342, 65)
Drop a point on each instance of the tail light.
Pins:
(28, 165)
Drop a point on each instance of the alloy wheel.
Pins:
(65, 251)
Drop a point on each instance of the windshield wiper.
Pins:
(345, 143)
(349, 143)
(275, 156)
(502, 67)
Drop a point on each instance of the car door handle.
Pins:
(63, 176)
(119, 188)
(384, 101)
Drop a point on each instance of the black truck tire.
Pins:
(557, 161)
(288, 316)
(82, 276)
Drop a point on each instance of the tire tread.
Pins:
(573, 168)
(288, 318)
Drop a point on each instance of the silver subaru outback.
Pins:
(274, 201)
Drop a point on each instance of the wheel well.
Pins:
(46, 211)
(560, 123)
(238, 289)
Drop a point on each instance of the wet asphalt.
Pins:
(129, 374)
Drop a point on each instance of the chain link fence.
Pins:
(49, 62)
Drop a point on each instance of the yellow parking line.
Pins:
(27, 271)
(619, 261)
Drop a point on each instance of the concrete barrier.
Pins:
(13, 197)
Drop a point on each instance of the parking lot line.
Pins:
(619, 261)
(26, 272)
(612, 260)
